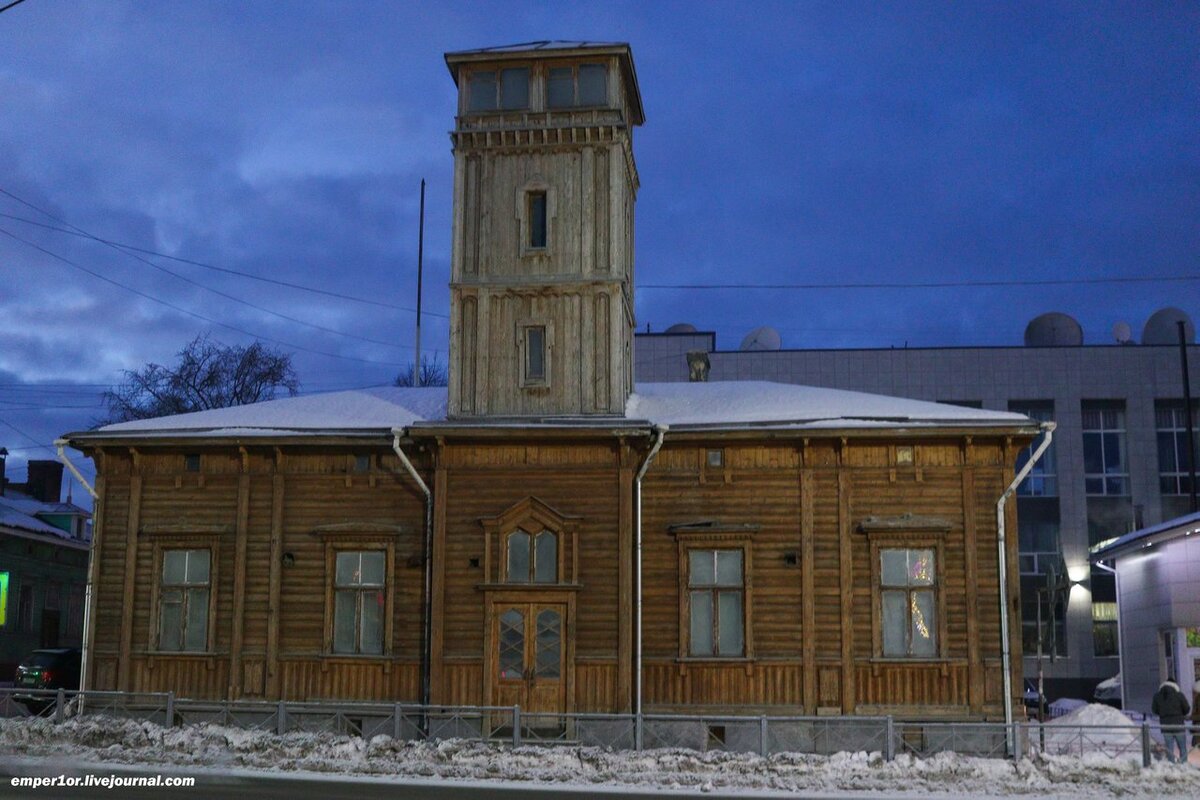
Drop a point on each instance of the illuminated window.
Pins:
(183, 601)
(532, 559)
(908, 603)
(1104, 628)
(716, 599)
(3, 599)
(359, 601)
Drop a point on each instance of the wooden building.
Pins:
(544, 533)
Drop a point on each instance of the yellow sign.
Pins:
(3, 599)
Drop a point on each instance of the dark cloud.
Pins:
(784, 142)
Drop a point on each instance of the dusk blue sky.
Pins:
(784, 142)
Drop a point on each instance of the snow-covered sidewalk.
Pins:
(103, 739)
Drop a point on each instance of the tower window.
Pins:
(507, 89)
(585, 85)
(535, 354)
(537, 220)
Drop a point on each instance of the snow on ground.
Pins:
(1093, 726)
(104, 739)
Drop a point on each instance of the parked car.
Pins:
(46, 670)
(1109, 691)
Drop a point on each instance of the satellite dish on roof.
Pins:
(1162, 327)
(1053, 329)
(682, 327)
(1122, 333)
(764, 338)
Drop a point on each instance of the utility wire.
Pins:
(235, 299)
(925, 285)
(21, 432)
(183, 310)
(225, 270)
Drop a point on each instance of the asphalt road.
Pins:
(243, 785)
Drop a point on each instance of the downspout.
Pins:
(426, 661)
(660, 431)
(85, 648)
(1005, 651)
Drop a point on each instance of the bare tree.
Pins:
(433, 373)
(208, 375)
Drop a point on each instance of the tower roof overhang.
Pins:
(546, 50)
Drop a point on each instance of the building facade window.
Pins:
(1104, 628)
(581, 85)
(908, 603)
(537, 220)
(531, 558)
(4, 599)
(1042, 480)
(183, 601)
(505, 90)
(360, 600)
(1174, 474)
(1104, 459)
(716, 603)
(535, 355)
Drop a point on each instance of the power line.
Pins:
(10, 5)
(201, 264)
(22, 433)
(218, 292)
(925, 285)
(182, 310)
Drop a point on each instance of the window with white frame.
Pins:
(183, 600)
(1174, 469)
(359, 602)
(1105, 469)
(1042, 480)
(716, 603)
(908, 602)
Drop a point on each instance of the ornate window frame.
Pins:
(709, 535)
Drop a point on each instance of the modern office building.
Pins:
(1118, 462)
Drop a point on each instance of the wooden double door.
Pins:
(529, 658)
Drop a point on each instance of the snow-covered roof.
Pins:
(1145, 537)
(18, 511)
(718, 405)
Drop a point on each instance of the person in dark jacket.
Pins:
(1172, 708)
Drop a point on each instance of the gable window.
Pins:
(582, 85)
(1104, 467)
(359, 602)
(537, 220)
(183, 600)
(716, 586)
(506, 89)
(908, 603)
(535, 354)
(531, 558)
(1174, 474)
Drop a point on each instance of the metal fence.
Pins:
(765, 735)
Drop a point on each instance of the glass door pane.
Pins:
(512, 644)
(549, 644)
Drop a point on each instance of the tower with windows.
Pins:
(541, 287)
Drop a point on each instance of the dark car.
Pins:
(46, 670)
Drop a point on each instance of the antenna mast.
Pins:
(420, 268)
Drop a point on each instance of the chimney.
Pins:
(697, 366)
(45, 480)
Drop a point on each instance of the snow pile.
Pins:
(1105, 730)
(101, 739)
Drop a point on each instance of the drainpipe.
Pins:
(660, 431)
(1005, 653)
(428, 644)
(85, 648)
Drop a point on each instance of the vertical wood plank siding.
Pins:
(812, 596)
